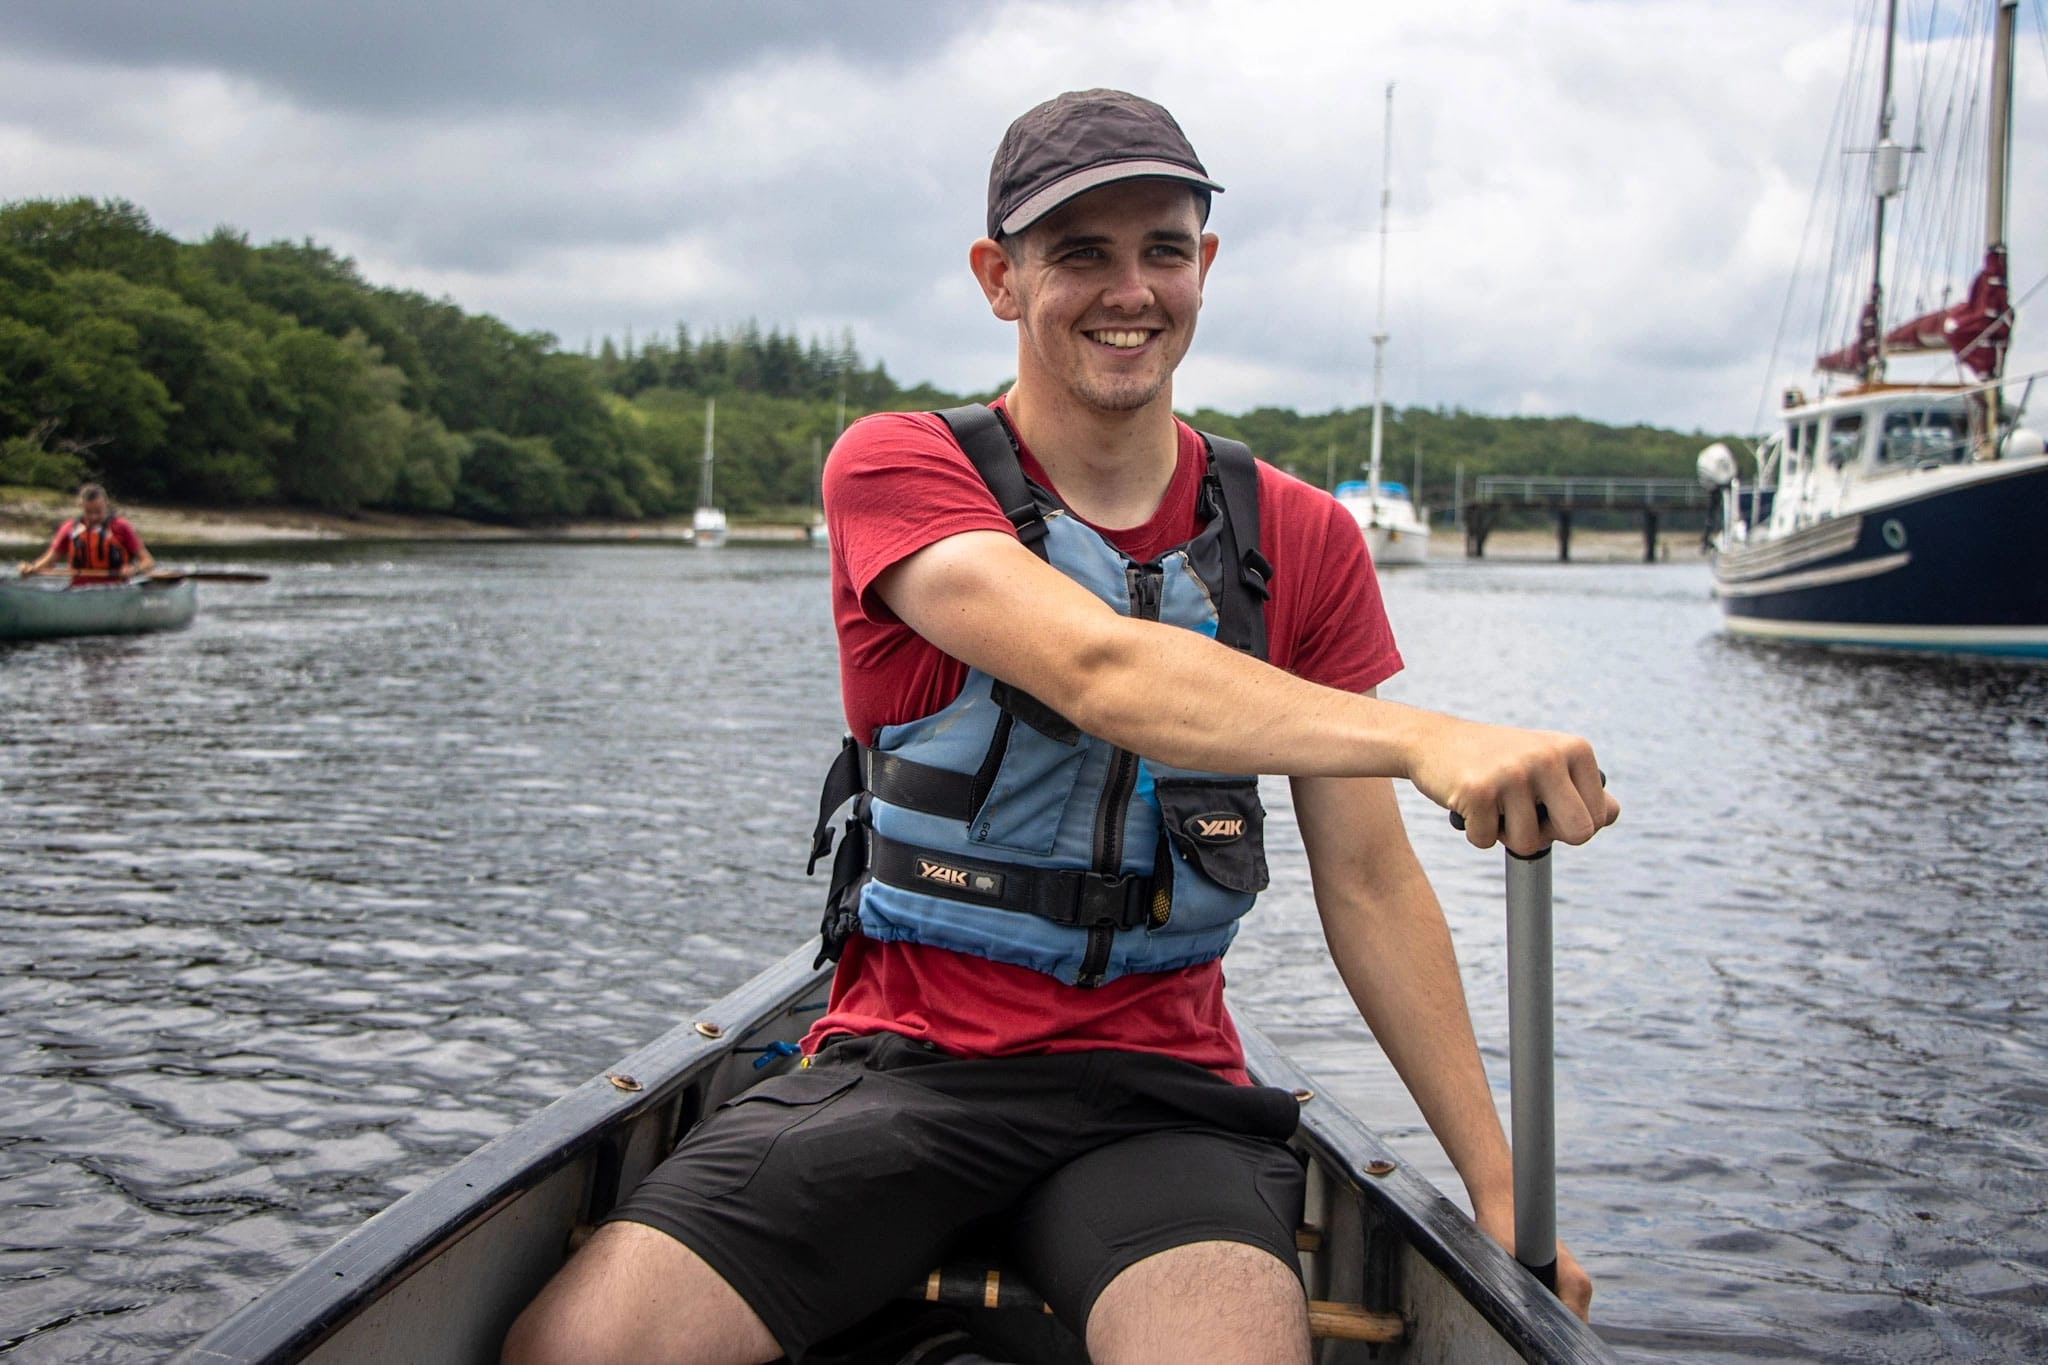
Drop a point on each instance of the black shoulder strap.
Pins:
(1247, 577)
(986, 440)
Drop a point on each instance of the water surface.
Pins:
(302, 904)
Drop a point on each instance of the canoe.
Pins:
(42, 610)
(1395, 1272)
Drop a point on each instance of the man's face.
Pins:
(1105, 291)
(92, 511)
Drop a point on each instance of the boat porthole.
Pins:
(1894, 534)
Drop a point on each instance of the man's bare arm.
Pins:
(1180, 697)
(1387, 935)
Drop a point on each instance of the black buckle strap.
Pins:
(1124, 901)
(842, 784)
(842, 899)
(1076, 898)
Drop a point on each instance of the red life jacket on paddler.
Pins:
(94, 550)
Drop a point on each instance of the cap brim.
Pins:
(1094, 177)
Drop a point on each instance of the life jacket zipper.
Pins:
(1143, 584)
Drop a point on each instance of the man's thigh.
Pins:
(823, 1193)
(1103, 1212)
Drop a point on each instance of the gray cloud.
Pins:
(400, 57)
(1597, 204)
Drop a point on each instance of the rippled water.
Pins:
(303, 903)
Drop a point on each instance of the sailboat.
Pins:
(1395, 529)
(1900, 515)
(709, 522)
(816, 534)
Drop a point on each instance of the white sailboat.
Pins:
(1905, 515)
(709, 522)
(817, 534)
(1396, 530)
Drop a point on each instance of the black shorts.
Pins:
(825, 1193)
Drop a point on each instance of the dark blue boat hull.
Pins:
(1959, 569)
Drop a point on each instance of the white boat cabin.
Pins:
(1843, 454)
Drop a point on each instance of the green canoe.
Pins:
(37, 611)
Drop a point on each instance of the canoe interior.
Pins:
(440, 1275)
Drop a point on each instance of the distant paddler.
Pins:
(101, 546)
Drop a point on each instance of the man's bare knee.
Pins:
(1207, 1303)
(636, 1295)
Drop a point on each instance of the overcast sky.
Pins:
(1597, 205)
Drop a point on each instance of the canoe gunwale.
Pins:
(1513, 1302)
(313, 1302)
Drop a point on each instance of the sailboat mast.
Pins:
(1998, 175)
(1379, 333)
(710, 422)
(1886, 182)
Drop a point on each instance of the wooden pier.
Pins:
(1661, 503)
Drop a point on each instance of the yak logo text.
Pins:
(1215, 829)
(960, 878)
(940, 873)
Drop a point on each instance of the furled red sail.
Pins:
(1860, 355)
(1977, 330)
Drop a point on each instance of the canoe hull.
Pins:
(36, 611)
(440, 1275)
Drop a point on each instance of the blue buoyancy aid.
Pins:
(995, 827)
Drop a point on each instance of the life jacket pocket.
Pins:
(1219, 826)
(1034, 780)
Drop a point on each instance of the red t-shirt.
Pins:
(895, 483)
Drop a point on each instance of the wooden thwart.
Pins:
(1351, 1322)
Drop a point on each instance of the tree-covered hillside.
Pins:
(225, 372)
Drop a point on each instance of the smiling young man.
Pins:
(1073, 632)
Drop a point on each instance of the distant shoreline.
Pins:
(27, 520)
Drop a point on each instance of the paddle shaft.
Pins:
(1532, 1060)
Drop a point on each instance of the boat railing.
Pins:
(1587, 491)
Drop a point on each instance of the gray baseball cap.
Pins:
(1081, 141)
